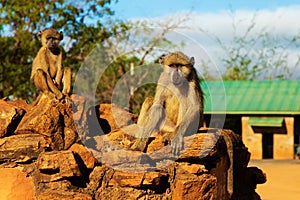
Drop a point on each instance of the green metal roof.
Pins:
(251, 97)
(266, 121)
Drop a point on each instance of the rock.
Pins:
(78, 106)
(115, 116)
(156, 181)
(120, 193)
(21, 148)
(52, 119)
(65, 196)
(125, 179)
(121, 139)
(251, 178)
(201, 146)
(196, 169)
(88, 159)
(156, 144)
(193, 187)
(14, 185)
(43, 119)
(100, 177)
(118, 157)
(56, 165)
(104, 118)
(10, 116)
(22, 104)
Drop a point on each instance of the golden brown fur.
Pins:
(177, 107)
(47, 72)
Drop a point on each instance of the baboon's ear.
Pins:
(39, 35)
(61, 35)
(192, 61)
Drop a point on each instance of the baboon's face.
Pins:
(50, 38)
(178, 66)
(183, 70)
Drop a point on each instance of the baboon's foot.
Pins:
(67, 100)
(140, 145)
(59, 96)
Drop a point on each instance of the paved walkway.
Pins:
(283, 179)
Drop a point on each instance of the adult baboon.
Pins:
(47, 72)
(177, 107)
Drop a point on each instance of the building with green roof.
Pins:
(265, 113)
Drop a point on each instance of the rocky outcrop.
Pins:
(56, 151)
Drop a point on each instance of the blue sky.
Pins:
(153, 8)
(224, 19)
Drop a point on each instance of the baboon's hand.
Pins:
(177, 144)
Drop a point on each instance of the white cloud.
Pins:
(280, 23)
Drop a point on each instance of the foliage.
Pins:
(87, 25)
(134, 51)
(84, 24)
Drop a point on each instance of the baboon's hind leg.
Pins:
(143, 120)
(67, 76)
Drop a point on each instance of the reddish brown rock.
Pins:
(14, 185)
(157, 144)
(88, 159)
(156, 181)
(78, 106)
(121, 139)
(202, 145)
(191, 168)
(125, 179)
(213, 164)
(56, 165)
(115, 116)
(119, 157)
(117, 193)
(100, 177)
(22, 104)
(193, 187)
(21, 148)
(52, 119)
(104, 118)
(10, 116)
(43, 119)
(64, 196)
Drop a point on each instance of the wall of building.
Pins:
(283, 143)
(252, 140)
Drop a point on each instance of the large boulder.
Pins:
(21, 148)
(10, 116)
(55, 150)
(52, 119)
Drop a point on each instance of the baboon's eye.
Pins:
(51, 38)
(175, 65)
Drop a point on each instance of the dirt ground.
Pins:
(283, 179)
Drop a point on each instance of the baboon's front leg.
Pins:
(153, 118)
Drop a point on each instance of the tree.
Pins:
(87, 25)
(257, 55)
(136, 51)
(84, 24)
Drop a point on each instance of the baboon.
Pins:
(47, 72)
(177, 107)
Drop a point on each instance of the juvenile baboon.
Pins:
(177, 107)
(47, 72)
